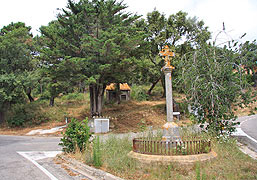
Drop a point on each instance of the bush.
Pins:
(76, 135)
(26, 114)
(73, 96)
(139, 93)
(45, 96)
(183, 107)
(157, 90)
(18, 116)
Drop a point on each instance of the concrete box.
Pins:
(101, 125)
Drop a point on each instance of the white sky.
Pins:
(239, 15)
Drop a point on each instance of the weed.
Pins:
(142, 125)
(198, 172)
(97, 159)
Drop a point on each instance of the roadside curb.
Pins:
(90, 172)
(247, 150)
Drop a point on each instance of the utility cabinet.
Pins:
(101, 125)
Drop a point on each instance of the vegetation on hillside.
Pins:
(95, 43)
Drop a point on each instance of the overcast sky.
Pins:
(239, 16)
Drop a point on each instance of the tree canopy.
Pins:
(15, 61)
(99, 36)
(179, 31)
(215, 86)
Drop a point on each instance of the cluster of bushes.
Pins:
(139, 93)
(74, 96)
(26, 114)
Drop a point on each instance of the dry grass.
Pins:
(231, 163)
(135, 116)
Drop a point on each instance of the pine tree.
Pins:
(102, 38)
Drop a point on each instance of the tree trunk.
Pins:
(51, 101)
(100, 98)
(163, 86)
(81, 87)
(4, 108)
(41, 88)
(28, 93)
(153, 85)
(118, 93)
(96, 99)
(93, 104)
(1, 116)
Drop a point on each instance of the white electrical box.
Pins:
(101, 125)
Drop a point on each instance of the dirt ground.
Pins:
(131, 116)
(4, 130)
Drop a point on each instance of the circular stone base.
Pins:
(183, 159)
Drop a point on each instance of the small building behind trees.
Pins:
(123, 92)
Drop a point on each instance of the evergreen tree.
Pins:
(102, 38)
(15, 62)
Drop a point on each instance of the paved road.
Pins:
(250, 126)
(22, 157)
(249, 131)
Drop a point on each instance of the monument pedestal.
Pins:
(170, 132)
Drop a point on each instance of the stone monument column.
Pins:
(170, 129)
(168, 86)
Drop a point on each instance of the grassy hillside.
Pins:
(125, 117)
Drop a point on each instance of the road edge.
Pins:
(92, 173)
(246, 150)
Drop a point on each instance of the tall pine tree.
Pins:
(102, 38)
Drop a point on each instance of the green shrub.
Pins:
(157, 90)
(26, 114)
(183, 107)
(73, 96)
(139, 93)
(18, 116)
(45, 96)
(76, 135)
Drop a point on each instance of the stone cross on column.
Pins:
(170, 128)
(167, 69)
(167, 54)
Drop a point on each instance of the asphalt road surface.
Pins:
(31, 158)
(248, 125)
